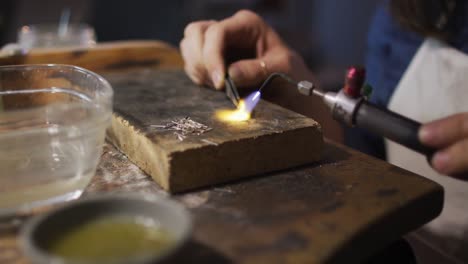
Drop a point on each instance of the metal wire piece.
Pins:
(184, 127)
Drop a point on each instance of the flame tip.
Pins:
(243, 111)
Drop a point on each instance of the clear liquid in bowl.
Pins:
(48, 150)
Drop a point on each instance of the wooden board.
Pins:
(108, 56)
(274, 139)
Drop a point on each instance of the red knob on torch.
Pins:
(354, 80)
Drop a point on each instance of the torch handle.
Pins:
(391, 125)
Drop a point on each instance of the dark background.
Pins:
(330, 34)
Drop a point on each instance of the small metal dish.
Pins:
(37, 233)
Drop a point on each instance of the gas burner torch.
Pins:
(350, 105)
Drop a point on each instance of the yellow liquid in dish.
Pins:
(112, 238)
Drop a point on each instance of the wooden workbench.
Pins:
(342, 209)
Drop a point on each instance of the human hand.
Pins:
(206, 45)
(450, 136)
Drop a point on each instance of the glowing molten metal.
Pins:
(243, 111)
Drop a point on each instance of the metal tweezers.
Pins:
(231, 90)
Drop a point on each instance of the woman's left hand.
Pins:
(450, 136)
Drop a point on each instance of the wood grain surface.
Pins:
(342, 209)
(274, 139)
(109, 56)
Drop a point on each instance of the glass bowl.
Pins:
(53, 120)
(51, 36)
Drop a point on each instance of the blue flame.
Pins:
(252, 100)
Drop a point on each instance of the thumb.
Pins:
(248, 73)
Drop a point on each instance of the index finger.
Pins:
(444, 132)
(241, 30)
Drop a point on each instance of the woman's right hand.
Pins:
(206, 44)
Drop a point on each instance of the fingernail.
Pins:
(426, 134)
(235, 73)
(440, 161)
(217, 78)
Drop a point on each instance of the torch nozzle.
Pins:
(304, 87)
(318, 93)
(274, 76)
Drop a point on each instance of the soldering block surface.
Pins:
(145, 101)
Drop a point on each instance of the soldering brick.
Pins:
(145, 100)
